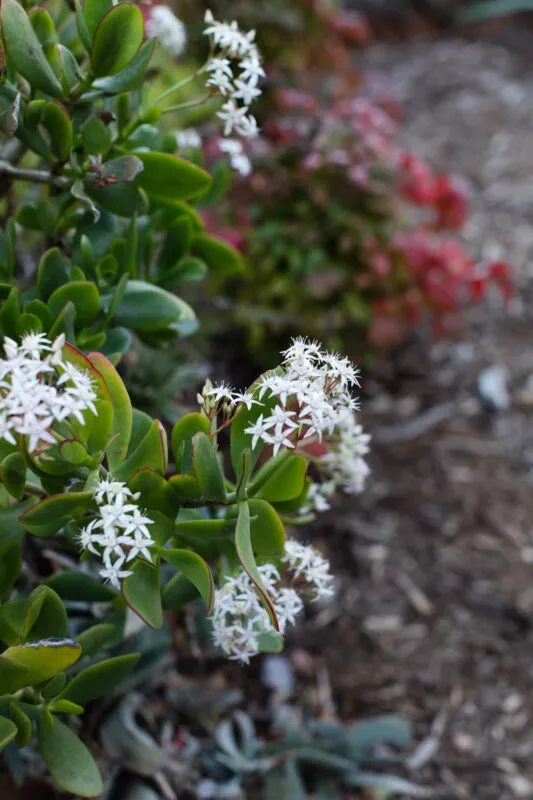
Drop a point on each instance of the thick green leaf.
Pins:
(185, 487)
(182, 435)
(51, 514)
(187, 270)
(8, 731)
(122, 199)
(176, 245)
(156, 492)
(57, 122)
(121, 169)
(93, 11)
(24, 50)
(169, 177)
(149, 308)
(93, 639)
(241, 441)
(179, 592)
(95, 137)
(122, 410)
(287, 482)
(196, 570)
(85, 297)
(14, 475)
(243, 545)
(268, 533)
(69, 761)
(80, 586)
(73, 451)
(65, 707)
(98, 679)
(29, 664)
(117, 39)
(142, 593)
(208, 469)
(10, 528)
(196, 530)
(71, 72)
(51, 620)
(130, 77)
(10, 566)
(151, 452)
(219, 256)
(23, 723)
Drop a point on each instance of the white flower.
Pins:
(33, 345)
(232, 147)
(258, 431)
(246, 398)
(220, 75)
(246, 92)
(113, 573)
(238, 160)
(238, 82)
(120, 531)
(306, 562)
(239, 619)
(247, 126)
(168, 28)
(232, 115)
(251, 68)
(241, 164)
(188, 138)
(220, 392)
(280, 419)
(37, 389)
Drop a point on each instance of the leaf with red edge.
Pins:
(51, 514)
(97, 429)
(150, 452)
(195, 570)
(122, 410)
(142, 593)
(243, 545)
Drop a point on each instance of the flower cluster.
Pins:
(307, 399)
(306, 563)
(120, 531)
(234, 70)
(344, 460)
(38, 388)
(239, 620)
(161, 22)
(313, 393)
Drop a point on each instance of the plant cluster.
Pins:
(361, 226)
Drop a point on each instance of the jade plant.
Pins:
(94, 189)
(100, 504)
(146, 526)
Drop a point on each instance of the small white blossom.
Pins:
(119, 533)
(232, 116)
(113, 574)
(236, 81)
(188, 138)
(38, 389)
(307, 563)
(168, 28)
(239, 619)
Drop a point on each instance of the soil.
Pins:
(435, 560)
